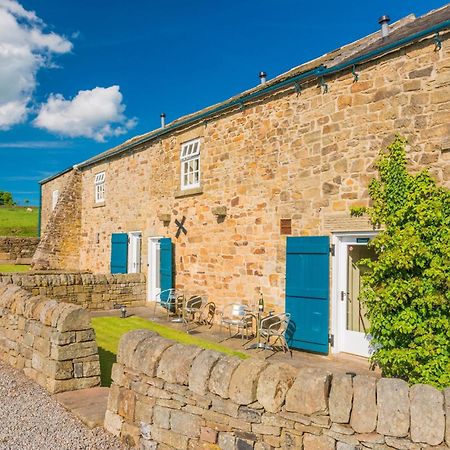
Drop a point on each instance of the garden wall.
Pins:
(184, 397)
(52, 342)
(17, 250)
(92, 292)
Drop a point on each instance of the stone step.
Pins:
(88, 405)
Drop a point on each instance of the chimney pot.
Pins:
(263, 77)
(384, 22)
(163, 120)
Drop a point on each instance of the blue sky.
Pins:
(91, 74)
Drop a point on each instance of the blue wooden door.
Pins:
(307, 292)
(165, 266)
(119, 253)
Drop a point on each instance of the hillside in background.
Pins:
(19, 221)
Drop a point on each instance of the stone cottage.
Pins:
(253, 194)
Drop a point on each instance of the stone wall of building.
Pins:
(92, 292)
(17, 250)
(56, 184)
(51, 341)
(183, 397)
(59, 247)
(307, 157)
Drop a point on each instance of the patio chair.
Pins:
(207, 314)
(237, 315)
(191, 307)
(274, 327)
(165, 299)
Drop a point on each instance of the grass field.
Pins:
(109, 330)
(13, 268)
(17, 221)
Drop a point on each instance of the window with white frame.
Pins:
(190, 164)
(99, 187)
(55, 196)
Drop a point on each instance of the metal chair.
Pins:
(275, 326)
(207, 314)
(165, 299)
(237, 315)
(191, 307)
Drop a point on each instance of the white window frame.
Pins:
(99, 187)
(190, 164)
(55, 197)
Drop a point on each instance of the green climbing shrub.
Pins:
(407, 289)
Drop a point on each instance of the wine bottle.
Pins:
(261, 303)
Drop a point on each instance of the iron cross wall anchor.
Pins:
(180, 226)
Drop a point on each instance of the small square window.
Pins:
(190, 164)
(55, 197)
(99, 187)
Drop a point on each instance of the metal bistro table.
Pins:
(259, 344)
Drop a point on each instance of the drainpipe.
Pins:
(39, 210)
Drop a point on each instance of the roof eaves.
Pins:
(56, 175)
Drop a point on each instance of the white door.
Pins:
(153, 277)
(134, 252)
(352, 323)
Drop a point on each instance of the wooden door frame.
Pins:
(132, 234)
(150, 241)
(336, 304)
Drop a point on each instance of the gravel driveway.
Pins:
(31, 419)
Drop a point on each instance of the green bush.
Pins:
(407, 290)
(6, 199)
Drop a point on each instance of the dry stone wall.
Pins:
(17, 250)
(52, 342)
(171, 396)
(93, 292)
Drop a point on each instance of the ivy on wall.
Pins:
(407, 290)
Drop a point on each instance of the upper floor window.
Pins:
(190, 164)
(99, 187)
(55, 196)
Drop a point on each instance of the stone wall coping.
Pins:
(62, 316)
(63, 278)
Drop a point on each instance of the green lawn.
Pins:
(17, 221)
(13, 268)
(109, 330)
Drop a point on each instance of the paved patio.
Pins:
(339, 363)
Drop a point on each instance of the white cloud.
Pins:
(97, 114)
(36, 144)
(25, 47)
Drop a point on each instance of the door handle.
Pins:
(343, 294)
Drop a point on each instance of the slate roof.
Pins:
(404, 28)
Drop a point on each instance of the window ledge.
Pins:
(188, 192)
(99, 205)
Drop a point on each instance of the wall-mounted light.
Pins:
(219, 211)
(165, 218)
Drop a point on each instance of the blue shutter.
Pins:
(165, 266)
(119, 253)
(307, 292)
